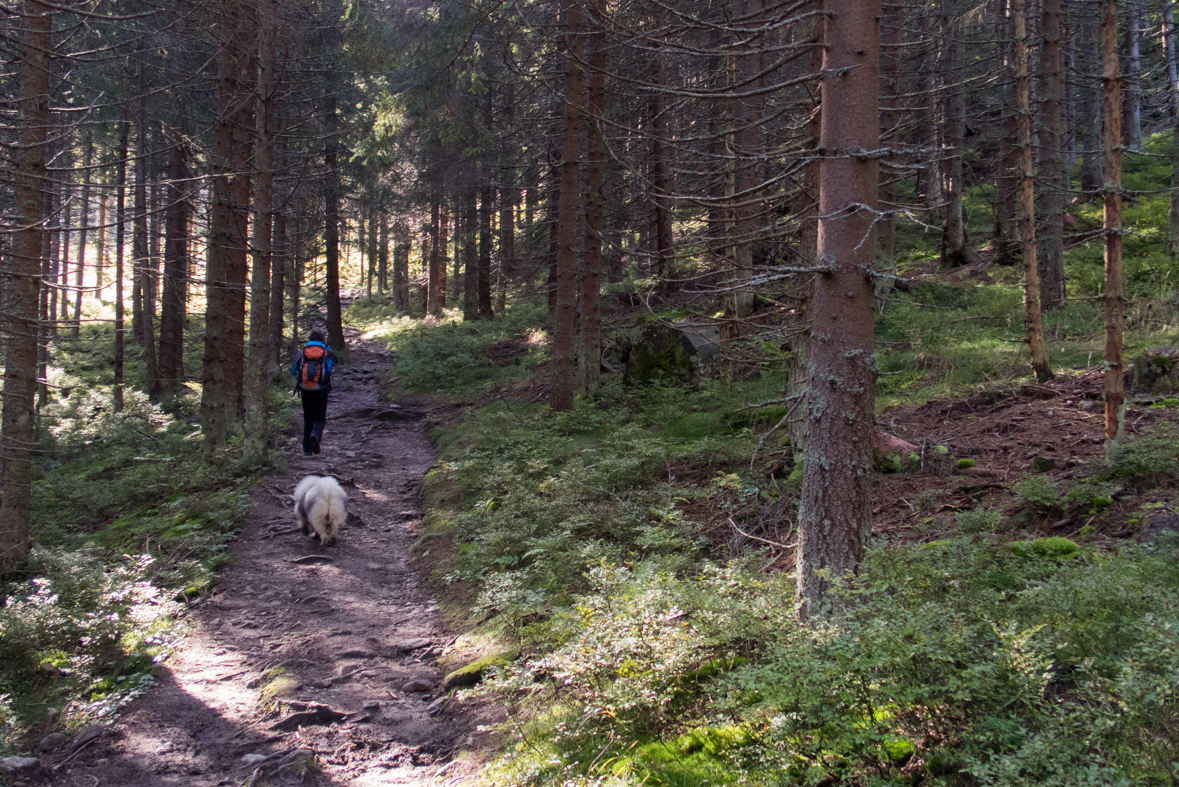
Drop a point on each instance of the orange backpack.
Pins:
(313, 367)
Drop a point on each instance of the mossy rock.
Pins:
(678, 354)
(1155, 371)
(474, 672)
(1053, 547)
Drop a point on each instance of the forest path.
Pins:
(352, 625)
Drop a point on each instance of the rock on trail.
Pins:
(299, 669)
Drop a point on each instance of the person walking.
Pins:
(313, 381)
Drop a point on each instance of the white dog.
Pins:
(320, 503)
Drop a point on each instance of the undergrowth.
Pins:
(129, 521)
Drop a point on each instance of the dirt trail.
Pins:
(358, 634)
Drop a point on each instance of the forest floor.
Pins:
(300, 649)
(1055, 430)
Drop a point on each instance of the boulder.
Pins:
(679, 354)
(1156, 371)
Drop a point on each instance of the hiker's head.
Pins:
(316, 335)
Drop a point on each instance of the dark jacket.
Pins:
(330, 364)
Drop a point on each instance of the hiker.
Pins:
(313, 380)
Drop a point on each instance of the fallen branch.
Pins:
(315, 715)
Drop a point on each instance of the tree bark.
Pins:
(174, 300)
(1132, 102)
(956, 249)
(1027, 226)
(564, 318)
(483, 272)
(1053, 174)
(17, 426)
(434, 306)
(589, 352)
(83, 227)
(260, 369)
(120, 230)
(1089, 109)
(223, 364)
(1115, 393)
(1006, 181)
(140, 252)
(835, 512)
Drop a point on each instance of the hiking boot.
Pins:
(314, 444)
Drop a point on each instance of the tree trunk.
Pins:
(483, 273)
(564, 322)
(120, 230)
(331, 230)
(1115, 393)
(1006, 181)
(1090, 100)
(83, 227)
(661, 188)
(260, 370)
(434, 305)
(835, 512)
(140, 252)
(17, 427)
(280, 267)
(223, 365)
(1053, 175)
(470, 257)
(507, 245)
(1132, 102)
(798, 365)
(174, 299)
(382, 250)
(956, 249)
(1027, 226)
(589, 352)
(1169, 53)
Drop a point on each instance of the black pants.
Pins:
(314, 415)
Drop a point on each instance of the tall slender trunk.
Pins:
(382, 249)
(798, 365)
(507, 245)
(434, 305)
(1089, 103)
(589, 352)
(223, 364)
(120, 229)
(141, 255)
(373, 239)
(1115, 392)
(1027, 226)
(483, 278)
(564, 321)
(835, 512)
(1169, 54)
(280, 266)
(1132, 102)
(331, 229)
(62, 279)
(661, 186)
(83, 227)
(1052, 175)
(260, 369)
(470, 256)
(956, 249)
(1006, 182)
(17, 427)
(529, 262)
(174, 298)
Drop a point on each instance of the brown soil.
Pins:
(1060, 423)
(357, 633)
